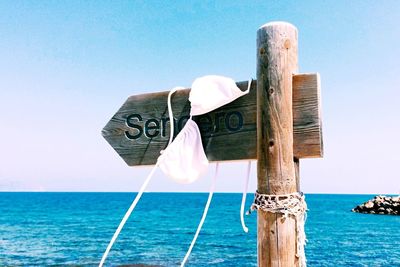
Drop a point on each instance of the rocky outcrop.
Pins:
(380, 205)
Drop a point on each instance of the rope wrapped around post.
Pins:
(289, 204)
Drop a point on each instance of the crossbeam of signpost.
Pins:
(140, 128)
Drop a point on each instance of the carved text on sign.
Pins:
(209, 124)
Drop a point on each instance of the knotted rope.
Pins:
(290, 204)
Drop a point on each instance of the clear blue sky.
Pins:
(67, 66)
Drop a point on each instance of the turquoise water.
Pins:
(74, 229)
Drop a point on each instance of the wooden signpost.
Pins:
(277, 123)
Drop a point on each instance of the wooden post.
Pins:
(276, 64)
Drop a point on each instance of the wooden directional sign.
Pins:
(140, 128)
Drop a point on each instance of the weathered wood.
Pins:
(307, 119)
(221, 143)
(276, 64)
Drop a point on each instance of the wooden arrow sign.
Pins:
(140, 128)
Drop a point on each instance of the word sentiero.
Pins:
(209, 124)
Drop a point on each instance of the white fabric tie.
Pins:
(143, 188)
(127, 214)
(203, 218)
(170, 114)
(246, 185)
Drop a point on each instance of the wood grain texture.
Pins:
(276, 174)
(222, 144)
(307, 119)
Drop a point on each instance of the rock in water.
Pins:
(380, 205)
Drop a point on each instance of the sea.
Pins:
(73, 229)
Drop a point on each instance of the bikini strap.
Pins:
(203, 218)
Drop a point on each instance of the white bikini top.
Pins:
(184, 159)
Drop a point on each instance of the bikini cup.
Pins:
(211, 92)
(184, 159)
